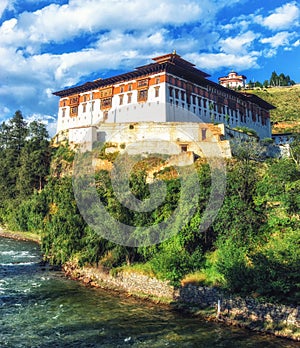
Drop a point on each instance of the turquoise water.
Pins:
(41, 308)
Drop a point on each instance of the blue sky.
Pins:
(46, 46)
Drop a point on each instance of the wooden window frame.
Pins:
(142, 95)
(74, 111)
(106, 103)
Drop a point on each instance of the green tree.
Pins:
(275, 268)
(240, 217)
(274, 80)
(18, 132)
(12, 140)
(64, 227)
(232, 265)
(34, 160)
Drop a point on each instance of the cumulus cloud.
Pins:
(57, 43)
(282, 18)
(4, 4)
(55, 23)
(280, 39)
(215, 61)
(239, 44)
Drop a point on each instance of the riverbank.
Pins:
(25, 236)
(208, 303)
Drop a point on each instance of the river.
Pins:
(41, 308)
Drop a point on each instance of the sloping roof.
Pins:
(172, 63)
(257, 100)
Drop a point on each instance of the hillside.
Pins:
(286, 116)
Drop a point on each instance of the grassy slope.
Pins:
(30, 236)
(286, 116)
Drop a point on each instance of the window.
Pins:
(130, 87)
(92, 106)
(142, 95)
(176, 93)
(63, 112)
(156, 92)
(83, 107)
(74, 100)
(106, 92)
(182, 95)
(142, 83)
(157, 80)
(105, 103)
(184, 147)
(121, 96)
(129, 98)
(85, 98)
(122, 89)
(74, 111)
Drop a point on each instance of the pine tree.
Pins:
(34, 160)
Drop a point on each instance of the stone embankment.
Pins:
(212, 303)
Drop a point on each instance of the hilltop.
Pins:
(286, 117)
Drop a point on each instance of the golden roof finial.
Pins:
(174, 52)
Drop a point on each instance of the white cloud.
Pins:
(240, 23)
(297, 43)
(4, 4)
(283, 17)
(269, 53)
(239, 44)
(56, 23)
(39, 54)
(280, 39)
(223, 60)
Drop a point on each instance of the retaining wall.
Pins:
(281, 320)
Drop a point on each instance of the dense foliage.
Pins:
(252, 247)
(24, 162)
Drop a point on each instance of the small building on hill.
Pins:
(233, 80)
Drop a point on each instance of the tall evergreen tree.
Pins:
(18, 132)
(12, 140)
(34, 160)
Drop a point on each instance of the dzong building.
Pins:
(168, 93)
